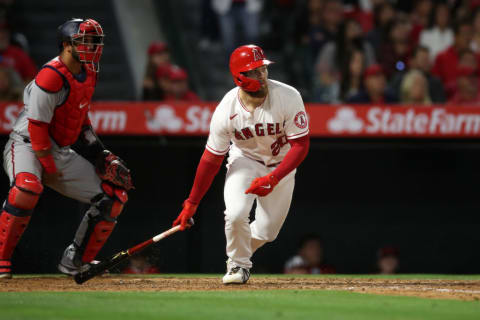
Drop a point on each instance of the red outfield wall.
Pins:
(165, 118)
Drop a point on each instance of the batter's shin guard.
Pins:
(17, 210)
(96, 226)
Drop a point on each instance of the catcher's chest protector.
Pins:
(69, 117)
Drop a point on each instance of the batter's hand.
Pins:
(262, 186)
(184, 219)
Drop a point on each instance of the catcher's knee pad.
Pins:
(113, 206)
(22, 199)
(23, 195)
(99, 222)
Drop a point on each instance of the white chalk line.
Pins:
(401, 288)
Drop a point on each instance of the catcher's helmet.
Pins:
(86, 35)
(246, 58)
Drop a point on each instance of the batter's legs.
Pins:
(271, 212)
(238, 205)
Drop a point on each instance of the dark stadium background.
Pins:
(359, 195)
(420, 195)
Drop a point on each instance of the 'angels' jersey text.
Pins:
(259, 129)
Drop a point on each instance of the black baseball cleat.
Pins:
(5, 269)
(70, 264)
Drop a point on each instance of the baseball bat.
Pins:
(97, 269)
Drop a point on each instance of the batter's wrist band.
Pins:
(48, 163)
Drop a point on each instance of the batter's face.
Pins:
(260, 74)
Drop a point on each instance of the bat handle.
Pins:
(166, 233)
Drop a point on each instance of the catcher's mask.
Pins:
(86, 37)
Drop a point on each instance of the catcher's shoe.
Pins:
(5, 269)
(71, 264)
(235, 274)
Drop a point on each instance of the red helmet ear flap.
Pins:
(247, 84)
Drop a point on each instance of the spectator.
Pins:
(421, 61)
(446, 63)
(139, 264)
(158, 57)
(475, 45)
(309, 258)
(375, 88)
(467, 58)
(440, 36)
(419, 18)
(308, 37)
(209, 26)
(414, 89)
(14, 57)
(11, 86)
(334, 55)
(395, 48)
(11, 15)
(160, 85)
(319, 24)
(388, 260)
(233, 12)
(178, 89)
(467, 88)
(352, 72)
(383, 15)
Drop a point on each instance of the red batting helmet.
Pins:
(246, 58)
(89, 49)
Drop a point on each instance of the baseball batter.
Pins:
(263, 126)
(38, 151)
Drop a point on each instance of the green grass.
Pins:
(230, 305)
(259, 305)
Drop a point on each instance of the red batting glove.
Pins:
(263, 185)
(184, 219)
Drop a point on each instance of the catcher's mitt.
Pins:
(111, 168)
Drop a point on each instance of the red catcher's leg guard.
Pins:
(111, 207)
(99, 236)
(22, 198)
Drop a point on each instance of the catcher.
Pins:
(39, 151)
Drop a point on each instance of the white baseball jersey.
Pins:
(262, 134)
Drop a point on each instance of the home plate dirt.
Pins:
(443, 289)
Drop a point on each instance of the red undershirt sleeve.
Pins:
(40, 140)
(207, 169)
(293, 158)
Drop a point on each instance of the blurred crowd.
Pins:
(379, 51)
(163, 79)
(310, 259)
(16, 66)
(419, 52)
(361, 51)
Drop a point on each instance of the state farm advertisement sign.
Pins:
(401, 121)
(165, 118)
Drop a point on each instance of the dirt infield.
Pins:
(444, 289)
